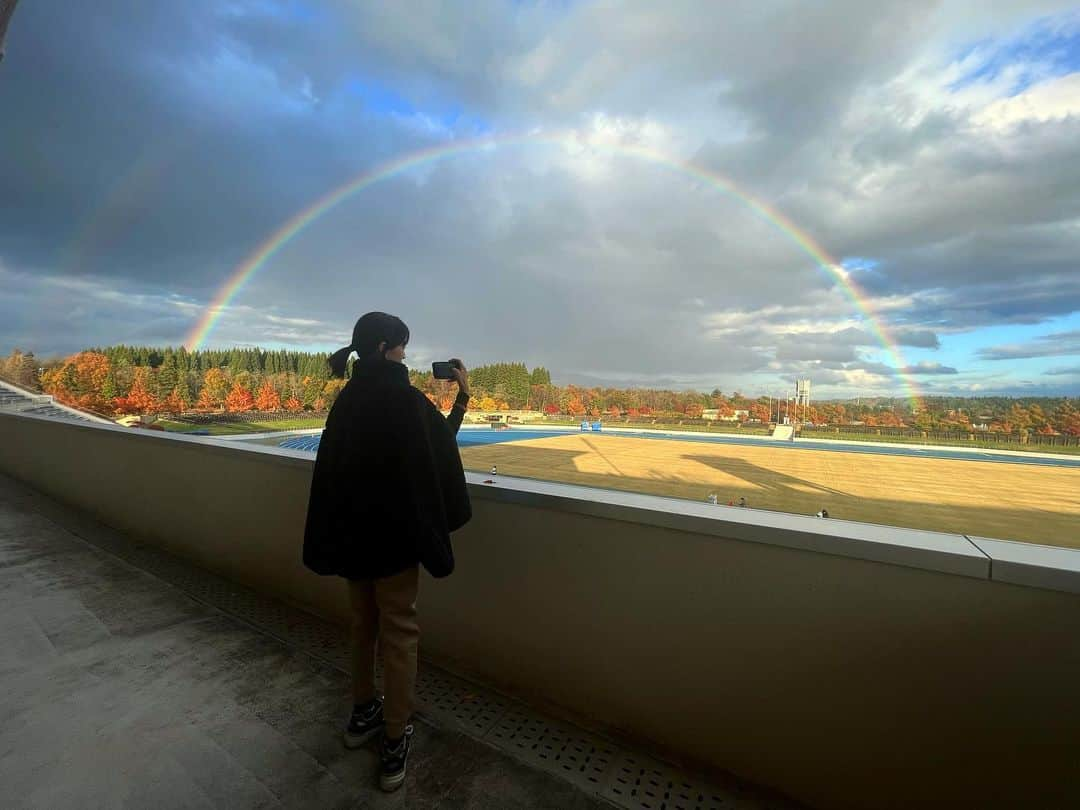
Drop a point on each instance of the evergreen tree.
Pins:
(540, 376)
(168, 375)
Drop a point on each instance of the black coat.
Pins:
(388, 477)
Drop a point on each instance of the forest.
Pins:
(119, 380)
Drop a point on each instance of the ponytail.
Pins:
(371, 330)
(339, 360)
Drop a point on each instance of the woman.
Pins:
(387, 490)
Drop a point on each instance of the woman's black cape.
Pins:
(388, 486)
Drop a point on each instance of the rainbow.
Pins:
(266, 251)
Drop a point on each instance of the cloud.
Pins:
(1052, 345)
(922, 338)
(928, 368)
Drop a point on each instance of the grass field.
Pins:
(1004, 501)
(236, 428)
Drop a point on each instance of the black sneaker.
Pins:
(393, 761)
(364, 722)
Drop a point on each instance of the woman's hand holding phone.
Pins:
(461, 375)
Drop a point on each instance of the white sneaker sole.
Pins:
(391, 783)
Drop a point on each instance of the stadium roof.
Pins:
(19, 400)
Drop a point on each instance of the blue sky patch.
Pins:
(1048, 48)
(380, 99)
(855, 264)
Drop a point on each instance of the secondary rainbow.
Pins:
(288, 230)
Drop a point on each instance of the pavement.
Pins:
(132, 679)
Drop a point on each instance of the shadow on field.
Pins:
(769, 490)
(762, 478)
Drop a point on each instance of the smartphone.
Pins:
(443, 371)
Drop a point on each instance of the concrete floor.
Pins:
(120, 690)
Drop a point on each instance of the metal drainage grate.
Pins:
(557, 747)
(643, 783)
(457, 702)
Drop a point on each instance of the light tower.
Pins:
(802, 397)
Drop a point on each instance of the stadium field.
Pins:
(987, 497)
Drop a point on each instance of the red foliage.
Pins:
(268, 399)
(139, 399)
(239, 399)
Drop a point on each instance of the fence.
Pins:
(230, 417)
(914, 434)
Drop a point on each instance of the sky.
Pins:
(880, 197)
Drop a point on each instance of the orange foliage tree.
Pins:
(174, 403)
(80, 381)
(268, 399)
(239, 399)
(139, 398)
(760, 412)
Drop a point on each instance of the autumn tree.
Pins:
(1019, 417)
(760, 411)
(214, 389)
(139, 399)
(21, 368)
(1067, 419)
(268, 398)
(330, 391)
(239, 399)
(79, 381)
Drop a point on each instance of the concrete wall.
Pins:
(844, 664)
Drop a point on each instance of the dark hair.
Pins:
(370, 330)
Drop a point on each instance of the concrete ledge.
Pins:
(1032, 565)
(931, 551)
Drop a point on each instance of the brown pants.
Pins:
(385, 609)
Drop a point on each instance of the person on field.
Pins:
(387, 490)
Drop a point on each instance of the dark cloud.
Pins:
(921, 338)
